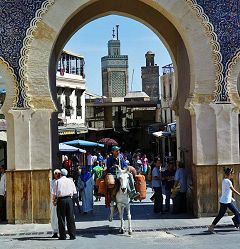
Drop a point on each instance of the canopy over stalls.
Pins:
(84, 143)
(70, 149)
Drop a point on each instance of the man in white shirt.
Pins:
(226, 200)
(2, 193)
(157, 186)
(65, 188)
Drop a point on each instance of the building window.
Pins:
(67, 106)
(79, 106)
(165, 115)
(164, 91)
(79, 111)
(67, 101)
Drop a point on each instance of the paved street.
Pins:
(190, 238)
(150, 231)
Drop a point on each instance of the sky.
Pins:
(136, 39)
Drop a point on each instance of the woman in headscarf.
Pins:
(85, 186)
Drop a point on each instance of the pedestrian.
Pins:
(226, 200)
(138, 166)
(98, 173)
(144, 164)
(85, 186)
(89, 161)
(157, 186)
(53, 208)
(2, 193)
(168, 176)
(180, 200)
(100, 158)
(67, 164)
(65, 189)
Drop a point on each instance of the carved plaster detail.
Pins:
(213, 39)
(24, 83)
(232, 78)
(5, 65)
(197, 99)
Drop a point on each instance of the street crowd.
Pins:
(73, 183)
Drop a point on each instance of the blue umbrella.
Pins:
(67, 148)
(84, 143)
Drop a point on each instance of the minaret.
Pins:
(114, 69)
(150, 77)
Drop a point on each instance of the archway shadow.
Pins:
(139, 211)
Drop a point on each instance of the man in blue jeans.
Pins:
(226, 200)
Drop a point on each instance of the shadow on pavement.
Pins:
(90, 232)
(34, 238)
(216, 231)
(139, 211)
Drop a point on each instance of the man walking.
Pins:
(65, 189)
(2, 194)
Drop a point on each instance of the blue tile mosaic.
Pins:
(16, 16)
(225, 17)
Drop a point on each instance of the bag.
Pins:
(175, 190)
(98, 182)
(140, 185)
(110, 181)
(102, 188)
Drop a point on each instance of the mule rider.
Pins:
(115, 160)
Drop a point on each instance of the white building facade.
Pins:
(167, 93)
(71, 86)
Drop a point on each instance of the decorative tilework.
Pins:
(5, 65)
(225, 18)
(18, 16)
(118, 81)
(213, 39)
(15, 19)
(23, 82)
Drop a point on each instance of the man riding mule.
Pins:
(122, 199)
(114, 162)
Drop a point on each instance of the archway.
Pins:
(191, 44)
